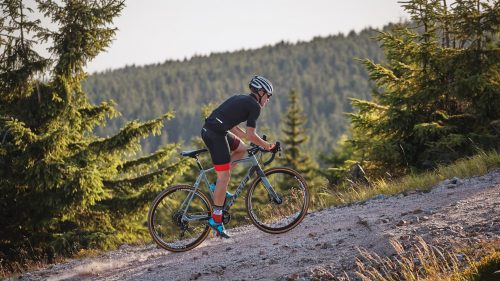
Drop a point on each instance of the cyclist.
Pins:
(222, 136)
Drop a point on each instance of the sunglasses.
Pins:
(269, 95)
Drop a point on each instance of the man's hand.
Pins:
(271, 147)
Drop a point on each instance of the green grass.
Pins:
(428, 263)
(477, 165)
(425, 262)
(487, 269)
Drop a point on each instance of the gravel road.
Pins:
(324, 245)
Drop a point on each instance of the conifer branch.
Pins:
(127, 138)
(165, 174)
(148, 162)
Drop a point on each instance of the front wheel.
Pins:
(281, 214)
(171, 227)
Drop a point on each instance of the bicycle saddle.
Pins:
(193, 153)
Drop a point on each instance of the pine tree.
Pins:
(62, 187)
(339, 161)
(438, 93)
(295, 139)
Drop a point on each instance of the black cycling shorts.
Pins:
(220, 146)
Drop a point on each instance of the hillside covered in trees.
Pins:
(324, 72)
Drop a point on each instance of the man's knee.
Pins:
(241, 148)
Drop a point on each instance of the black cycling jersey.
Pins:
(233, 111)
(229, 114)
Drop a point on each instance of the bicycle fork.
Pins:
(270, 190)
(272, 194)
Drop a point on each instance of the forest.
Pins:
(324, 72)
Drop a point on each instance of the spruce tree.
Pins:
(62, 187)
(295, 138)
(437, 97)
(339, 161)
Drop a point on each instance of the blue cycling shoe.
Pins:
(219, 228)
(212, 188)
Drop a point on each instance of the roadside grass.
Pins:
(429, 263)
(476, 165)
(424, 262)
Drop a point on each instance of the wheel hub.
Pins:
(177, 218)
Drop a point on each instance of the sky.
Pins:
(153, 31)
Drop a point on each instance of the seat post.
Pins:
(198, 162)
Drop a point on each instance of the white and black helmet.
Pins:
(259, 82)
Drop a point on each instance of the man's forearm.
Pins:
(238, 132)
(258, 140)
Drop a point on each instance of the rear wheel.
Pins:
(278, 215)
(167, 225)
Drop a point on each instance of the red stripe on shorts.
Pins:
(222, 167)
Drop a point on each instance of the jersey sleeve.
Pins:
(253, 116)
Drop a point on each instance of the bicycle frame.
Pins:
(254, 168)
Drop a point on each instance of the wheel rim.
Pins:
(271, 214)
(167, 226)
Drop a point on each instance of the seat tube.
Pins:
(189, 198)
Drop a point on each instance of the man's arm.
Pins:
(252, 136)
(237, 131)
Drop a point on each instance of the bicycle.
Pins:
(276, 202)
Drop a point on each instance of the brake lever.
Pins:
(278, 148)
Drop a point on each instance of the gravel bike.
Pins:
(276, 201)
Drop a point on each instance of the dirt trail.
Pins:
(325, 243)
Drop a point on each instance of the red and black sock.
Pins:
(217, 214)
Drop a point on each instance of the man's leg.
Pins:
(221, 157)
(221, 187)
(238, 153)
(237, 147)
(219, 197)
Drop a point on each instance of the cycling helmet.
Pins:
(259, 82)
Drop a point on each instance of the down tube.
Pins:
(243, 182)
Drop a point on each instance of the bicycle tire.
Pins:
(273, 217)
(166, 226)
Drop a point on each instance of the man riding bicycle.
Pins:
(222, 136)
